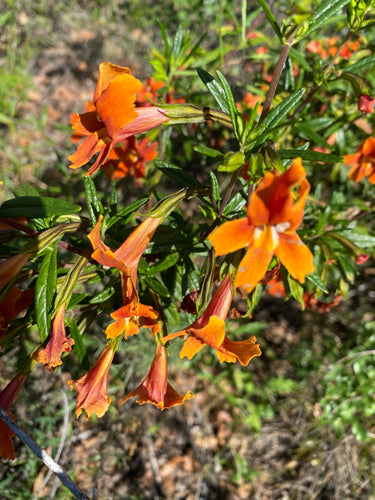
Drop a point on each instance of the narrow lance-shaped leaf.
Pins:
(326, 10)
(37, 206)
(215, 89)
(45, 288)
(93, 204)
(231, 104)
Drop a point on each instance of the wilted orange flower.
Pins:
(209, 329)
(155, 388)
(57, 343)
(112, 117)
(312, 302)
(15, 302)
(92, 388)
(7, 398)
(130, 159)
(270, 227)
(362, 162)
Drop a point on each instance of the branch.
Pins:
(43, 455)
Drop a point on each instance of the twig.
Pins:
(43, 455)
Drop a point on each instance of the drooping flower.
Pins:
(126, 257)
(7, 398)
(155, 388)
(209, 329)
(362, 162)
(273, 215)
(92, 388)
(112, 117)
(58, 342)
(15, 302)
(130, 159)
(11, 267)
(366, 103)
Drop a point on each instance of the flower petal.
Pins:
(243, 350)
(212, 333)
(231, 236)
(295, 256)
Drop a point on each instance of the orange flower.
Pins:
(269, 228)
(11, 267)
(58, 342)
(209, 329)
(130, 318)
(15, 302)
(362, 162)
(92, 388)
(7, 397)
(130, 159)
(366, 103)
(149, 91)
(126, 257)
(155, 388)
(112, 117)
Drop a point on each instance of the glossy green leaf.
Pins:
(231, 103)
(265, 6)
(169, 261)
(157, 286)
(94, 207)
(126, 213)
(215, 187)
(25, 190)
(316, 280)
(45, 289)
(362, 65)
(288, 154)
(36, 206)
(79, 346)
(177, 174)
(215, 89)
(322, 14)
(204, 150)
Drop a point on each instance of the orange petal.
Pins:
(295, 256)
(116, 104)
(212, 333)
(232, 236)
(107, 73)
(243, 350)
(6, 443)
(191, 347)
(255, 263)
(10, 267)
(85, 151)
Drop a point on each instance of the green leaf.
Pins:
(271, 18)
(177, 174)
(177, 43)
(79, 346)
(157, 286)
(215, 188)
(204, 150)
(45, 289)
(288, 154)
(94, 206)
(316, 280)
(359, 239)
(215, 89)
(36, 206)
(326, 9)
(172, 315)
(25, 190)
(362, 65)
(231, 104)
(103, 296)
(170, 260)
(125, 214)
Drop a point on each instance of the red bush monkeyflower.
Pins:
(92, 388)
(15, 302)
(57, 343)
(269, 228)
(130, 159)
(112, 117)
(130, 318)
(11, 267)
(155, 388)
(366, 103)
(149, 92)
(209, 329)
(362, 162)
(7, 398)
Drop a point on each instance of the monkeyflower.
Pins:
(209, 329)
(7, 398)
(130, 159)
(362, 162)
(133, 315)
(92, 388)
(366, 104)
(57, 343)
(273, 215)
(15, 302)
(112, 116)
(155, 388)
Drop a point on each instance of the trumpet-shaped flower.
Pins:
(11, 267)
(155, 388)
(362, 162)
(92, 388)
(15, 302)
(7, 397)
(112, 116)
(126, 257)
(209, 329)
(270, 227)
(57, 343)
